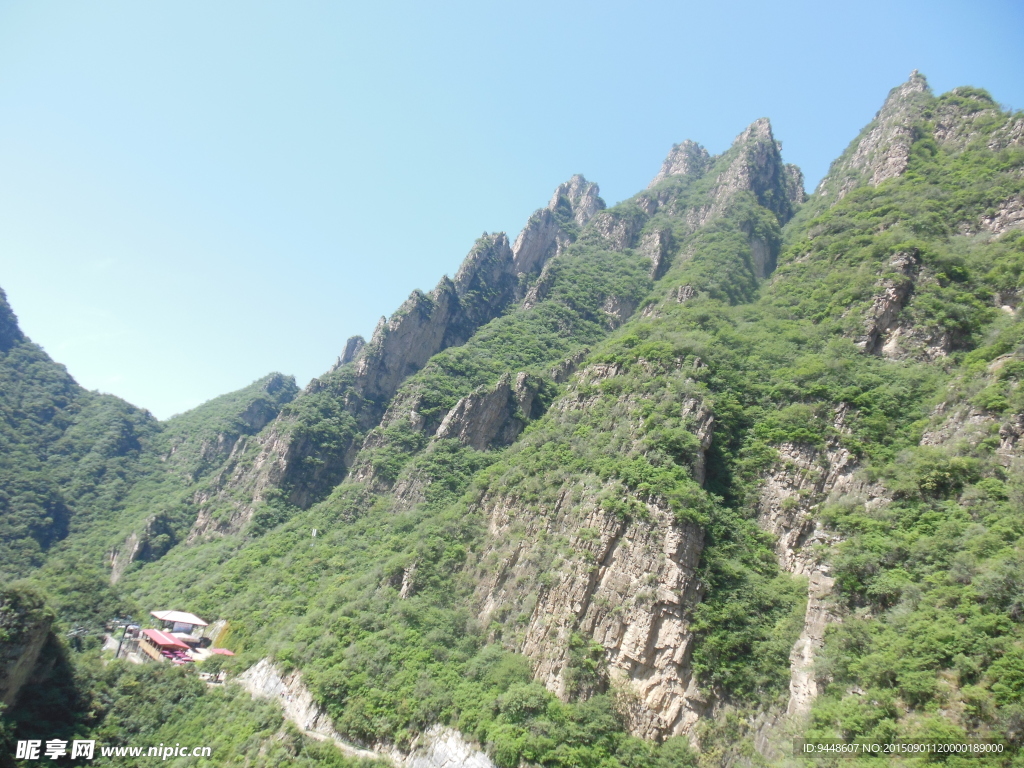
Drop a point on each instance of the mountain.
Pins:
(671, 482)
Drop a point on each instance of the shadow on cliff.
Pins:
(51, 705)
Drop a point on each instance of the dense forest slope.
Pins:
(667, 483)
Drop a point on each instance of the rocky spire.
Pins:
(756, 166)
(578, 197)
(686, 159)
(429, 322)
(352, 348)
(882, 150)
(546, 233)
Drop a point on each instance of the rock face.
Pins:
(882, 151)
(428, 323)
(437, 747)
(630, 589)
(752, 165)
(889, 302)
(152, 540)
(494, 418)
(686, 159)
(440, 747)
(1009, 214)
(657, 246)
(156, 534)
(489, 280)
(424, 325)
(758, 168)
(627, 584)
(802, 479)
(615, 230)
(883, 148)
(353, 347)
(549, 230)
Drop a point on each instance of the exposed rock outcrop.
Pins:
(630, 588)
(353, 347)
(491, 418)
(657, 246)
(753, 164)
(615, 230)
(484, 286)
(686, 159)
(425, 324)
(701, 420)
(548, 231)
(1011, 446)
(1009, 214)
(437, 747)
(149, 542)
(893, 295)
(802, 479)
(882, 150)
(757, 167)
(561, 372)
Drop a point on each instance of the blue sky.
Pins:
(194, 194)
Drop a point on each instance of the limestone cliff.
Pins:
(882, 150)
(575, 569)
(437, 747)
(551, 229)
(358, 388)
(893, 293)
(628, 586)
(686, 159)
(752, 165)
(491, 418)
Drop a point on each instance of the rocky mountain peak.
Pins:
(582, 197)
(427, 323)
(757, 167)
(686, 159)
(758, 131)
(488, 261)
(353, 347)
(550, 229)
(882, 150)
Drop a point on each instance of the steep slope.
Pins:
(701, 472)
(310, 448)
(915, 275)
(89, 482)
(719, 230)
(65, 453)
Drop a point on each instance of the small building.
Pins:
(161, 645)
(179, 621)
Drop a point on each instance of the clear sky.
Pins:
(195, 194)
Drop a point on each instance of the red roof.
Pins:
(163, 639)
(222, 651)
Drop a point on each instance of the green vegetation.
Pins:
(674, 420)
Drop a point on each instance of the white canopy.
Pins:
(178, 617)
